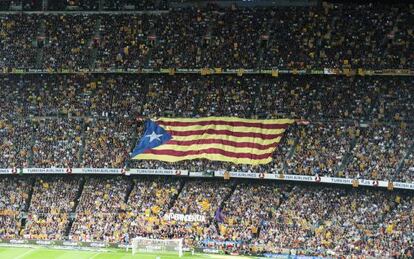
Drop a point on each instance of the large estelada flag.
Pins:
(230, 139)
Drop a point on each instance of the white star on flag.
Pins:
(154, 136)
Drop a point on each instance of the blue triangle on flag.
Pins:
(153, 137)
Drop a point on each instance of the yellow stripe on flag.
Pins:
(222, 147)
(230, 119)
(224, 127)
(229, 138)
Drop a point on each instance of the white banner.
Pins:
(409, 186)
(158, 172)
(44, 171)
(240, 174)
(316, 179)
(96, 171)
(301, 178)
(184, 217)
(336, 180)
(6, 170)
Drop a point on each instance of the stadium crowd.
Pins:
(199, 198)
(13, 200)
(243, 223)
(18, 34)
(407, 171)
(320, 150)
(68, 41)
(354, 127)
(52, 200)
(101, 201)
(240, 216)
(98, 119)
(324, 36)
(56, 142)
(149, 200)
(338, 221)
(79, 5)
(107, 138)
(378, 153)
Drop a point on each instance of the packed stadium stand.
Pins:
(79, 78)
(94, 121)
(259, 216)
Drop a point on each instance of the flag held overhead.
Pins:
(230, 139)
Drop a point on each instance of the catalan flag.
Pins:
(229, 139)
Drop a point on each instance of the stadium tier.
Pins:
(235, 216)
(252, 128)
(94, 121)
(322, 36)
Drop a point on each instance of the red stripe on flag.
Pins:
(221, 141)
(175, 153)
(227, 123)
(223, 132)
